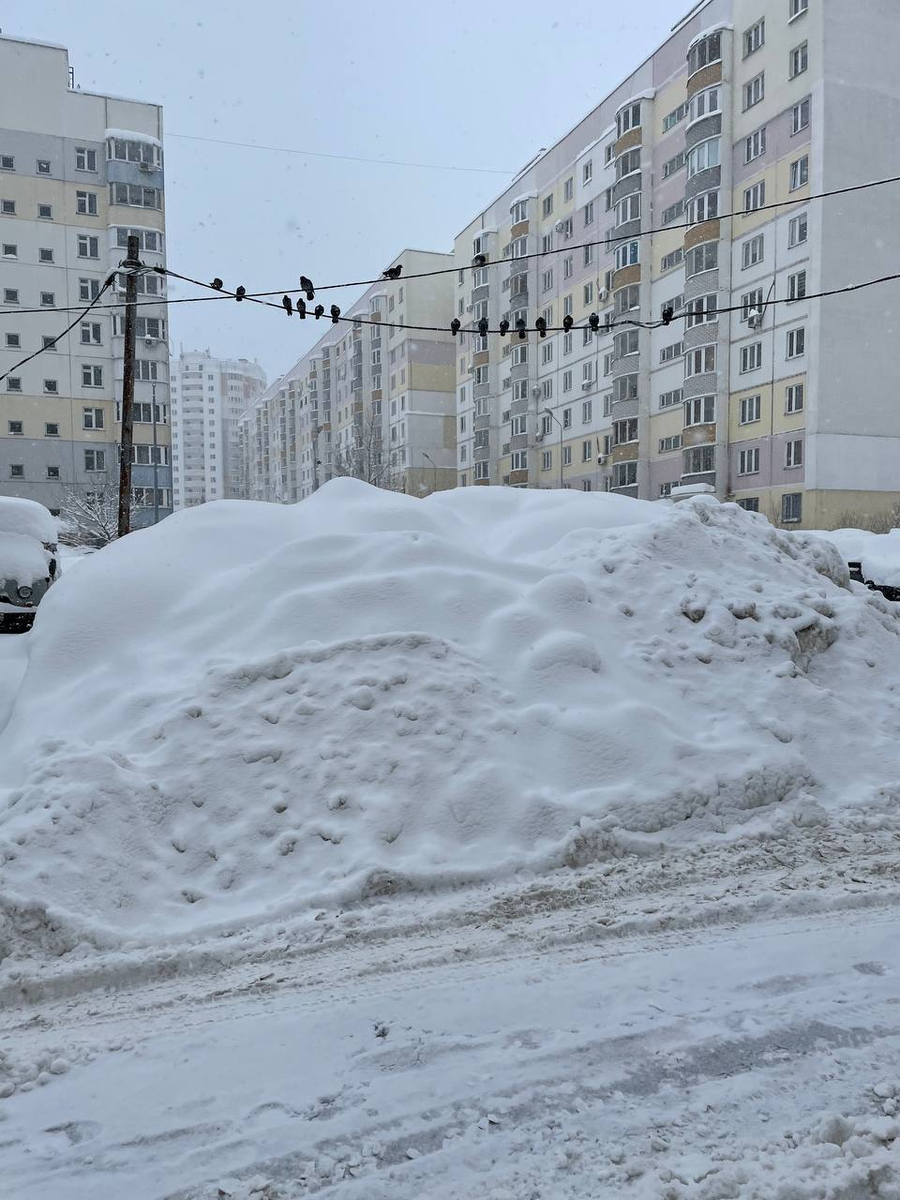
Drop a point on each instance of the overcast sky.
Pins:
(459, 84)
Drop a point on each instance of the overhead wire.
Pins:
(52, 341)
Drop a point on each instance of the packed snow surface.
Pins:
(251, 710)
(26, 518)
(877, 553)
(22, 560)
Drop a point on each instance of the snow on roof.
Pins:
(704, 33)
(27, 517)
(646, 94)
(132, 135)
(524, 196)
(7, 37)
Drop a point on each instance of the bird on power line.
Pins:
(301, 308)
(318, 311)
(568, 322)
(240, 292)
(594, 321)
(455, 326)
(393, 272)
(522, 328)
(541, 326)
(217, 284)
(335, 313)
(306, 285)
(288, 304)
(504, 328)
(667, 314)
(479, 260)
(483, 326)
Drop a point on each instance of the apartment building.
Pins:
(209, 396)
(79, 172)
(786, 408)
(371, 399)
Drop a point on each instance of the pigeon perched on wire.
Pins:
(217, 284)
(667, 314)
(335, 314)
(479, 260)
(318, 311)
(288, 305)
(568, 322)
(504, 328)
(306, 285)
(594, 321)
(541, 326)
(483, 326)
(522, 328)
(454, 326)
(301, 308)
(393, 272)
(240, 292)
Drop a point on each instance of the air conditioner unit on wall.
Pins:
(559, 226)
(602, 293)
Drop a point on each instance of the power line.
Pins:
(382, 162)
(52, 342)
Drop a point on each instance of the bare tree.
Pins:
(877, 522)
(367, 459)
(89, 516)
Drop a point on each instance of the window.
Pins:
(800, 116)
(792, 508)
(755, 145)
(625, 431)
(586, 450)
(701, 410)
(748, 461)
(626, 343)
(135, 195)
(704, 257)
(751, 357)
(797, 7)
(628, 209)
(674, 164)
(751, 302)
(793, 454)
(48, 299)
(92, 418)
(670, 443)
(749, 504)
(10, 295)
(91, 376)
(673, 212)
(547, 460)
(568, 227)
(10, 250)
(669, 261)
(793, 398)
(45, 254)
(43, 166)
(48, 342)
(754, 91)
(567, 456)
(754, 37)
(95, 460)
(589, 213)
(8, 208)
(670, 399)
(704, 103)
(568, 188)
(481, 470)
(628, 298)
(624, 474)
(519, 356)
(86, 203)
(669, 353)
(88, 247)
(702, 310)
(589, 293)
(567, 340)
(567, 418)
(518, 247)
(518, 425)
(518, 212)
(755, 196)
(547, 280)
(45, 212)
(16, 428)
(625, 387)
(7, 162)
(798, 229)
(151, 239)
(17, 470)
(672, 119)
(797, 286)
(13, 341)
(628, 254)
(628, 163)
(800, 172)
(587, 409)
(799, 59)
(547, 353)
(752, 251)
(50, 387)
(702, 156)
(13, 383)
(796, 342)
(628, 118)
(707, 50)
(567, 381)
(587, 172)
(51, 429)
(587, 373)
(750, 409)
(547, 206)
(518, 460)
(701, 361)
(85, 160)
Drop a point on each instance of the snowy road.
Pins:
(691, 1028)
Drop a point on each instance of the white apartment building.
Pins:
(785, 405)
(209, 395)
(371, 399)
(79, 172)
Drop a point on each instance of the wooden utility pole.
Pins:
(131, 263)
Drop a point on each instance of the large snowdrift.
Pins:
(253, 709)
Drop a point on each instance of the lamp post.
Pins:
(553, 417)
(315, 465)
(434, 470)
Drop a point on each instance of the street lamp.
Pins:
(434, 466)
(553, 417)
(315, 440)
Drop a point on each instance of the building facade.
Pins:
(79, 171)
(370, 399)
(784, 407)
(209, 396)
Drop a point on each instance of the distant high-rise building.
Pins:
(209, 395)
(79, 172)
(756, 391)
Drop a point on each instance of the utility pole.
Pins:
(315, 461)
(155, 457)
(553, 417)
(131, 263)
(433, 471)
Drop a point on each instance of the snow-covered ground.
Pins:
(503, 844)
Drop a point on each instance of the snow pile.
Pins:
(22, 560)
(254, 709)
(27, 518)
(878, 553)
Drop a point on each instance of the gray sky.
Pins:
(461, 84)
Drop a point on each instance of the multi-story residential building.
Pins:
(79, 172)
(785, 407)
(371, 399)
(209, 396)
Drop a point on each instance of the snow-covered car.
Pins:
(29, 561)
